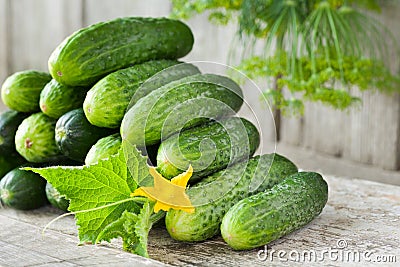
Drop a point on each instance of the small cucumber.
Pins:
(34, 139)
(57, 99)
(9, 122)
(21, 91)
(74, 135)
(104, 148)
(269, 215)
(9, 162)
(216, 194)
(23, 190)
(55, 198)
(208, 148)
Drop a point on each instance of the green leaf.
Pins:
(94, 186)
(137, 165)
(133, 228)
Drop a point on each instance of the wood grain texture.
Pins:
(3, 44)
(100, 10)
(37, 27)
(366, 215)
(368, 134)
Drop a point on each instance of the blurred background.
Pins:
(360, 142)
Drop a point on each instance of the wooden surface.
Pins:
(364, 215)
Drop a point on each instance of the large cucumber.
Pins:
(57, 99)
(105, 104)
(74, 135)
(95, 51)
(180, 105)
(34, 139)
(215, 195)
(208, 148)
(9, 122)
(269, 215)
(21, 91)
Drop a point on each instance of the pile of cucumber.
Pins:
(121, 79)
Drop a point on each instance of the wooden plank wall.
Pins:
(369, 134)
(30, 30)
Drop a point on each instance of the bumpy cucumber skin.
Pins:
(180, 105)
(269, 215)
(104, 148)
(34, 139)
(95, 51)
(74, 135)
(9, 122)
(23, 190)
(105, 104)
(57, 99)
(216, 194)
(228, 141)
(55, 199)
(21, 91)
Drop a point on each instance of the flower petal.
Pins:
(183, 178)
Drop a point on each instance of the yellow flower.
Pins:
(168, 194)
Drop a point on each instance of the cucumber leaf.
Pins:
(95, 186)
(133, 228)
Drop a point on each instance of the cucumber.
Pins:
(9, 122)
(23, 190)
(269, 215)
(74, 135)
(107, 101)
(8, 162)
(104, 148)
(179, 105)
(95, 51)
(216, 194)
(21, 91)
(34, 139)
(55, 198)
(208, 148)
(57, 99)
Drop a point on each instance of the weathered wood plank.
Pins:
(3, 44)
(23, 244)
(100, 10)
(370, 134)
(37, 27)
(364, 215)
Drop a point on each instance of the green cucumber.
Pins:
(55, 198)
(57, 99)
(8, 162)
(107, 101)
(99, 49)
(179, 105)
(74, 135)
(9, 122)
(34, 139)
(269, 215)
(23, 190)
(21, 91)
(208, 148)
(104, 148)
(216, 194)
